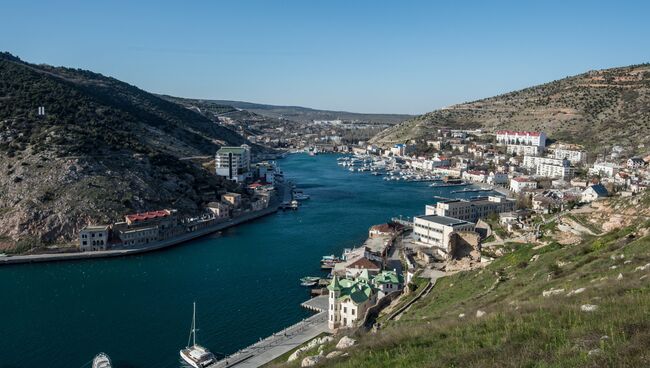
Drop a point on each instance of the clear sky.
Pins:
(363, 56)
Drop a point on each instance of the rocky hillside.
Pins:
(603, 107)
(102, 148)
(539, 305)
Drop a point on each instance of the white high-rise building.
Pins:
(509, 137)
(233, 163)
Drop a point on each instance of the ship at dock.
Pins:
(196, 355)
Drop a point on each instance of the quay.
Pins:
(281, 342)
(273, 207)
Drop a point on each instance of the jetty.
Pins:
(283, 341)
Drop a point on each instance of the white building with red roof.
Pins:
(521, 183)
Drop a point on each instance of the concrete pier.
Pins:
(279, 343)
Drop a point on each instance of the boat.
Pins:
(309, 279)
(330, 258)
(196, 355)
(300, 196)
(102, 360)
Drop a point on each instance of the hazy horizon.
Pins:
(368, 57)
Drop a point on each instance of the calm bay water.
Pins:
(138, 309)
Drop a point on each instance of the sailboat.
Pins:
(196, 355)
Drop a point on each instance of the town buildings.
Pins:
(608, 169)
(94, 238)
(471, 210)
(594, 192)
(549, 167)
(509, 137)
(233, 163)
(435, 231)
(575, 155)
(520, 184)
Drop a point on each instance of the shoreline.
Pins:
(164, 244)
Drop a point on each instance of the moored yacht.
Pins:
(196, 355)
(102, 360)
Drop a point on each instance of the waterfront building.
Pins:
(219, 210)
(435, 231)
(473, 209)
(231, 199)
(147, 227)
(361, 265)
(509, 137)
(233, 163)
(348, 301)
(477, 176)
(521, 183)
(94, 238)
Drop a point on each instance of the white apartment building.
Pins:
(473, 209)
(608, 169)
(520, 184)
(575, 156)
(233, 163)
(509, 137)
(522, 150)
(475, 176)
(549, 167)
(434, 231)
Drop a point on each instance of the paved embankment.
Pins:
(281, 342)
(148, 248)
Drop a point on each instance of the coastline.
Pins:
(274, 206)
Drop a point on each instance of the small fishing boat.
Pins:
(102, 360)
(196, 355)
(309, 279)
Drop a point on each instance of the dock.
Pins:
(283, 341)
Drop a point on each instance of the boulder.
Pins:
(552, 291)
(588, 307)
(310, 361)
(345, 342)
(576, 291)
(334, 354)
(479, 313)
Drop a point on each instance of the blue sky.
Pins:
(364, 56)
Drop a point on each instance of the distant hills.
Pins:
(103, 148)
(306, 115)
(598, 108)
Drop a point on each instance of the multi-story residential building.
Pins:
(509, 137)
(94, 238)
(472, 209)
(147, 227)
(434, 231)
(549, 167)
(575, 156)
(523, 150)
(608, 169)
(231, 199)
(233, 163)
(520, 184)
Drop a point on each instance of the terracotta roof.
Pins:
(522, 180)
(364, 263)
(147, 215)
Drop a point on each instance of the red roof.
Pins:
(364, 263)
(522, 180)
(255, 185)
(147, 215)
(513, 132)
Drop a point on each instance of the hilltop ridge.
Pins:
(596, 108)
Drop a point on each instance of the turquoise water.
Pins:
(138, 309)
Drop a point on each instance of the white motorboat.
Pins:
(196, 355)
(102, 360)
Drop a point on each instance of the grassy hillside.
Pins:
(521, 327)
(604, 107)
(103, 148)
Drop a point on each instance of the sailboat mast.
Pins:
(194, 325)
